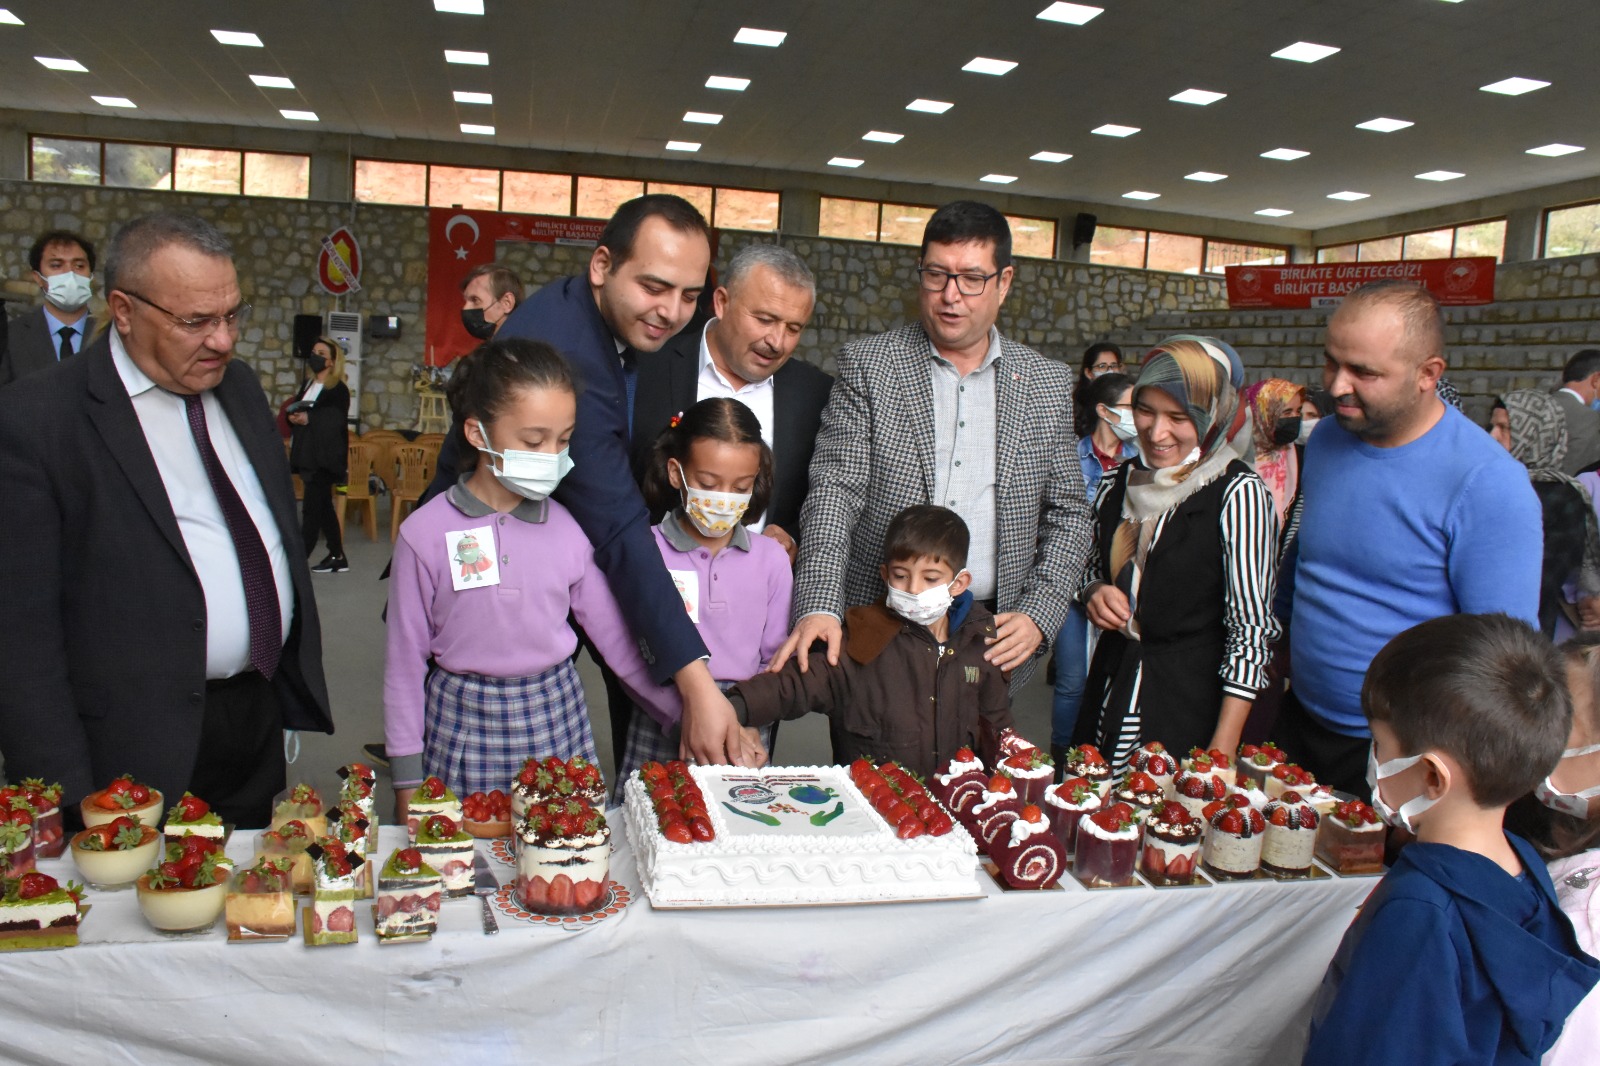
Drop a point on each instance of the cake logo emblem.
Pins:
(757, 795)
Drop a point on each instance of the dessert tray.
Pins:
(615, 900)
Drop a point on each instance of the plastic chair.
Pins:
(410, 484)
(386, 441)
(358, 493)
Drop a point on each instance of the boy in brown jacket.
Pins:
(911, 684)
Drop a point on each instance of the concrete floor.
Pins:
(353, 648)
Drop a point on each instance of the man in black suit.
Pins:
(1580, 386)
(761, 309)
(62, 263)
(158, 611)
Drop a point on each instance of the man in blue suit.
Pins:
(640, 289)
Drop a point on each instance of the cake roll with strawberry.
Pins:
(1107, 848)
(1157, 763)
(1232, 849)
(1030, 771)
(1216, 762)
(1085, 761)
(1172, 838)
(1029, 854)
(1065, 804)
(1194, 789)
(963, 766)
(995, 810)
(1291, 836)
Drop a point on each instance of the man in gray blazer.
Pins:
(62, 263)
(1580, 384)
(947, 411)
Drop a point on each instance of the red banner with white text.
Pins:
(459, 240)
(1452, 281)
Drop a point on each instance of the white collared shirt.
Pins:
(165, 422)
(756, 395)
(56, 325)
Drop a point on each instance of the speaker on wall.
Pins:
(307, 328)
(1083, 228)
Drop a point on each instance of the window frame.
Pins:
(1205, 248)
(1544, 227)
(172, 148)
(1455, 229)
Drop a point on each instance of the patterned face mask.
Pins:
(712, 513)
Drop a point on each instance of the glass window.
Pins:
(854, 220)
(600, 197)
(1482, 238)
(1175, 252)
(62, 159)
(210, 170)
(699, 195)
(381, 182)
(535, 194)
(1034, 237)
(1432, 244)
(1572, 230)
(277, 174)
(1118, 247)
(139, 166)
(1338, 253)
(903, 223)
(1382, 250)
(1220, 254)
(749, 209)
(476, 190)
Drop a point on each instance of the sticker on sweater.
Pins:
(472, 558)
(688, 582)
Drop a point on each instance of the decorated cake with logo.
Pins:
(801, 834)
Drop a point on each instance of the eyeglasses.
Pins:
(205, 323)
(966, 284)
(1101, 368)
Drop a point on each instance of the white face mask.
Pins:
(1573, 803)
(1121, 422)
(67, 291)
(1306, 426)
(1406, 816)
(923, 608)
(714, 514)
(531, 475)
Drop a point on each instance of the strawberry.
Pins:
(1209, 811)
(1231, 822)
(1030, 759)
(441, 827)
(1085, 755)
(677, 832)
(1160, 763)
(34, 884)
(910, 827)
(1173, 813)
(1142, 782)
(99, 838)
(1200, 761)
(140, 794)
(999, 783)
(1221, 758)
(1074, 790)
(652, 770)
(1030, 813)
(939, 824)
(964, 754)
(165, 876)
(527, 776)
(192, 808)
(679, 767)
(1280, 815)
(700, 829)
(21, 816)
(1113, 819)
(431, 789)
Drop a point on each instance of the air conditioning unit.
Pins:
(344, 327)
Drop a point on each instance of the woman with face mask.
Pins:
(710, 476)
(1099, 359)
(479, 676)
(1276, 421)
(319, 450)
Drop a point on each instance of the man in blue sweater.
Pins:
(1411, 512)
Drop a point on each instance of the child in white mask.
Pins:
(710, 477)
(1462, 953)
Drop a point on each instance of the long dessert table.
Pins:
(1221, 974)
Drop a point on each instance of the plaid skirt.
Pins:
(479, 730)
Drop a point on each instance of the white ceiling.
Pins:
(614, 77)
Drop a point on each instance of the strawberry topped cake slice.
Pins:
(1157, 763)
(348, 826)
(1214, 762)
(1139, 791)
(1029, 855)
(1287, 777)
(16, 843)
(123, 796)
(36, 912)
(563, 858)
(409, 892)
(1291, 836)
(449, 849)
(332, 914)
(431, 797)
(260, 902)
(1233, 844)
(1195, 790)
(1030, 771)
(1085, 761)
(487, 815)
(1172, 837)
(291, 840)
(1065, 804)
(550, 779)
(1256, 762)
(357, 781)
(193, 816)
(301, 804)
(44, 803)
(1351, 839)
(1108, 847)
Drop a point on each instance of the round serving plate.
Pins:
(616, 898)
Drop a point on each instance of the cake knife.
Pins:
(484, 886)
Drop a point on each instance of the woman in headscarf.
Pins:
(1529, 422)
(1275, 418)
(1180, 575)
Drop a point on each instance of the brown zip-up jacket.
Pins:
(896, 694)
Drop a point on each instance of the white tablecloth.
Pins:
(1210, 975)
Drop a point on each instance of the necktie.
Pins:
(260, 590)
(65, 333)
(630, 381)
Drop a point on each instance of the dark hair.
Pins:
(58, 236)
(1486, 689)
(968, 220)
(720, 418)
(1104, 390)
(501, 281)
(1557, 834)
(485, 378)
(133, 246)
(1083, 417)
(1581, 365)
(926, 529)
(623, 228)
(1420, 314)
(1322, 400)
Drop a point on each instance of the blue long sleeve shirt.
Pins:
(1391, 537)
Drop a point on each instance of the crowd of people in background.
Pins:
(742, 538)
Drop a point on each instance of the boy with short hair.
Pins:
(1461, 954)
(911, 684)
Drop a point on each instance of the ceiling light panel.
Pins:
(271, 81)
(8, 18)
(1348, 195)
(718, 81)
(1305, 52)
(299, 116)
(1205, 175)
(1514, 86)
(234, 37)
(473, 127)
(1384, 125)
(683, 146)
(980, 65)
(1553, 150)
(999, 179)
(459, 7)
(466, 59)
(704, 118)
(1274, 212)
(1051, 157)
(1202, 97)
(1441, 175)
(1111, 129)
(932, 107)
(845, 161)
(883, 137)
(764, 38)
(61, 64)
(1140, 194)
(1071, 14)
(472, 98)
(113, 101)
(1285, 154)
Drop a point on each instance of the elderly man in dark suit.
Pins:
(1580, 385)
(62, 263)
(948, 411)
(761, 308)
(158, 611)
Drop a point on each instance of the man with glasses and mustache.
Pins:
(158, 611)
(949, 412)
